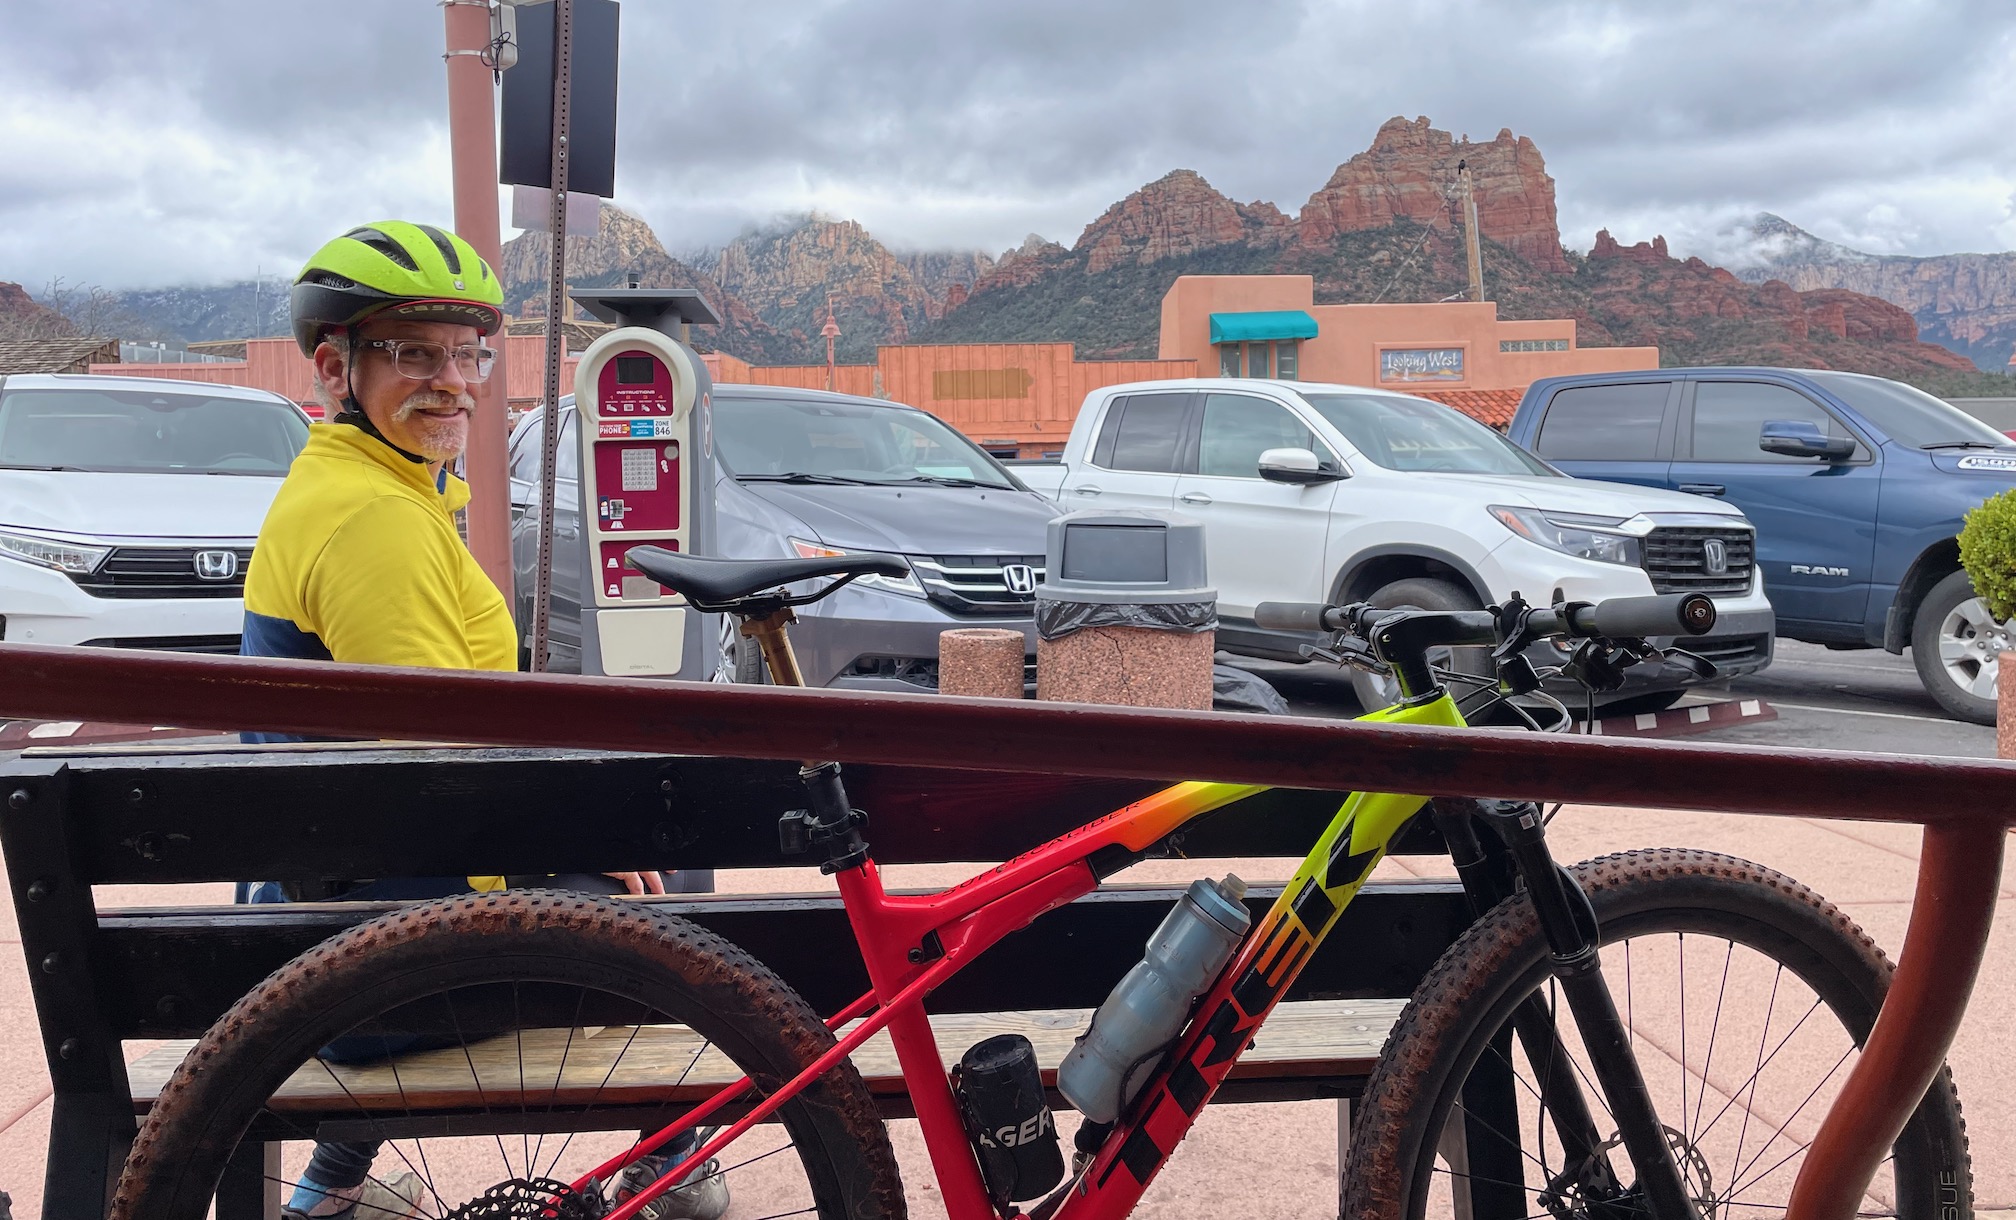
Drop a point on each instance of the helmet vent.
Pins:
(446, 247)
(328, 279)
(384, 245)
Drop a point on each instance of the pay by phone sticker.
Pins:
(616, 429)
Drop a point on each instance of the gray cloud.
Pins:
(155, 144)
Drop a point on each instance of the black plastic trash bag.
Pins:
(1055, 620)
(1237, 690)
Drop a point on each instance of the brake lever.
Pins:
(1699, 666)
(1347, 650)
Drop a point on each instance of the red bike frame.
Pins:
(901, 939)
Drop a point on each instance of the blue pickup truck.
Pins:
(1857, 486)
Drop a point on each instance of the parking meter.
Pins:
(646, 476)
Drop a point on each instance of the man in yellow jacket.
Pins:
(359, 560)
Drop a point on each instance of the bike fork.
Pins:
(1569, 924)
(1489, 878)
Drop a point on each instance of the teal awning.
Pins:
(1260, 326)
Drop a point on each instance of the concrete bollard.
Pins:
(1124, 616)
(985, 662)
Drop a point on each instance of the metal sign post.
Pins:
(559, 132)
(556, 308)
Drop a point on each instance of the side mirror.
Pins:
(1299, 466)
(1803, 438)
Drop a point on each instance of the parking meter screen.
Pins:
(634, 383)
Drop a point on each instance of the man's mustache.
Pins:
(425, 400)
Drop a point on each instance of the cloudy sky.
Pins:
(201, 141)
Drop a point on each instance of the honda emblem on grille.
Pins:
(1019, 577)
(1715, 556)
(216, 565)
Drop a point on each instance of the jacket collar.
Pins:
(345, 443)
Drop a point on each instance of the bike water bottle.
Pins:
(1131, 1031)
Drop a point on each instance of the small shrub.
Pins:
(1988, 552)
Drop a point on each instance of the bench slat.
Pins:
(657, 1065)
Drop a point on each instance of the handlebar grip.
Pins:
(1290, 616)
(1664, 614)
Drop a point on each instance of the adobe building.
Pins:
(1271, 326)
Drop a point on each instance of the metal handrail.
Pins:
(1966, 805)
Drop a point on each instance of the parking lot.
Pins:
(1864, 700)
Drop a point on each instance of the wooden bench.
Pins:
(1304, 1050)
(73, 819)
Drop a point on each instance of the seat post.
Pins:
(770, 635)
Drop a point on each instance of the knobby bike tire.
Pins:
(672, 971)
(1404, 1140)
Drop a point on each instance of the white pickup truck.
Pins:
(1312, 492)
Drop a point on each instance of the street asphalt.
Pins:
(1862, 700)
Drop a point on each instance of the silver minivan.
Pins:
(803, 473)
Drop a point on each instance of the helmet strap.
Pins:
(353, 413)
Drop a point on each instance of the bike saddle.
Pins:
(716, 584)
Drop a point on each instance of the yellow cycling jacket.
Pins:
(359, 562)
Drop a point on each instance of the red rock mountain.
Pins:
(1384, 227)
(22, 317)
(789, 272)
(623, 245)
(1963, 301)
(1176, 215)
(1410, 173)
(1698, 314)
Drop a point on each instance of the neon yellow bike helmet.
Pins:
(396, 268)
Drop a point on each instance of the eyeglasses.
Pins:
(419, 360)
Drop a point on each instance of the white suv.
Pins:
(129, 506)
(1312, 492)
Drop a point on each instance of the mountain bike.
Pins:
(1672, 1022)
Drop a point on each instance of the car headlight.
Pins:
(1576, 534)
(53, 552)
(905, 584)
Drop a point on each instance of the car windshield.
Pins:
(147, 431)
(1909, 415)
(821, 441)
(1413, 434)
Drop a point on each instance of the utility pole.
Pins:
(831, 331)
(472, 137)
(1470, 231)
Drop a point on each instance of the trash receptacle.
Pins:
(1125, 614)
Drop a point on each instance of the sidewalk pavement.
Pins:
(1867, 869)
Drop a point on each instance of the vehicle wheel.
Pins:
(1375, 691)
(737, 657)
(1956, 643)
(602, 985)
(1725, 971)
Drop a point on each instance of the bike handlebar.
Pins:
(1666, 614)
(1296, 616)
